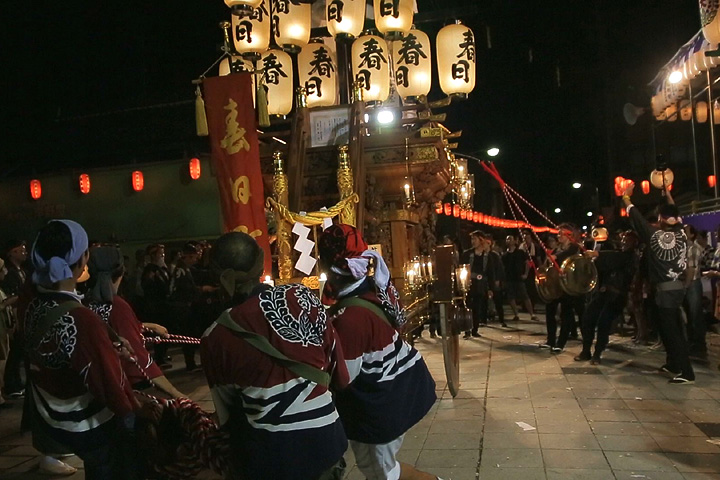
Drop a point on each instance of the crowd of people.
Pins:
(294, 379)
(650, 275)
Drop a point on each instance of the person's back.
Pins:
(283, 424)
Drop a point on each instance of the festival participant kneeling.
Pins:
(80, 397)
(390, 388)
(106, 268)
(269, 361)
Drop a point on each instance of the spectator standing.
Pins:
(517, 270)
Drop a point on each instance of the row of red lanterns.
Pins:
(137, 180)
(622, 183)
(478, 217)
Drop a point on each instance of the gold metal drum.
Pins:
(579, 275)
(547, 281)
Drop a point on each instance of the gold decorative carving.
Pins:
(345, 186)
(284, 233)
(312, 218)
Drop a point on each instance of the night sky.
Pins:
(550, 89)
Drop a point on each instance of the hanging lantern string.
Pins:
(202, 76)
(514, 206)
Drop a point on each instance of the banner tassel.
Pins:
(201, 124)
(262, 105)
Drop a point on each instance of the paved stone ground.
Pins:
(619, 420)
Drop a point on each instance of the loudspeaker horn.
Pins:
(632, 112)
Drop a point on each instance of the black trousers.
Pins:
(13, 380)
(498, 300)
(567, 305)
(672, 333)
(479, 307)
(600, 314)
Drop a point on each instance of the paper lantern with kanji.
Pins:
(35, 189)
(194, 168)
(278, 79)
(448, 209)
(393, 15)
(137, 180)
(291, 23)
(671, 112)
(645, 184)
(413, 67)
(701, 112)
(711, 181)
(463, 214)
(710, 21)
(242, 7)
(456, 210)
(345, 17)
(318, 72)
(685, 110)
(84, 183)
(237, 64)
(251, 33)
(370, 67)
(456, 58)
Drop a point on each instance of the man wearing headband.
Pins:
(390, 388)
(269, 361)
(155, 283)
(79, 396)
(106, 269)
(667, 260)
(569, 304)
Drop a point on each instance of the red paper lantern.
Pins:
(645, 184)
(84, 183)
(476, 217)
(463, 214)
(456, 211)
(618, 186)
(711, 181)
(138, 181)
(194, 167)
(35, 189)
(470, 215)
(439, 208)
(448, 209)
(669, 188)
(623, 212)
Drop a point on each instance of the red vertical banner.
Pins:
(236, 156)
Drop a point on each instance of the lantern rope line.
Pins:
(312, 218)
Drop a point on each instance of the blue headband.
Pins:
(48, 272)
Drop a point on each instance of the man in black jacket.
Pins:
(486, 273)
(667, 260)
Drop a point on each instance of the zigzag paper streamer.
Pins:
(304, 245)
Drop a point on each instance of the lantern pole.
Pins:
(694, 142)
(343, 42)
(711, 112)
(284, 236)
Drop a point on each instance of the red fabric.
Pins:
(126, 324)
(94, 366)
(236, 157)
(229, 360)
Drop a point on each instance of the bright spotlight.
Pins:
(557, 210)
(385, 117)
(576, 185)
(675, 77)
(589, 214)
(493, 152)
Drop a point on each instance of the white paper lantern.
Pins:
(456, 58)
(251, 33)
(242, 7)
(413, 64)
(317, 69)
(685, 110)
(716, 112)
(393, 15)
(345, 17)
(291, 23)
(671, 112)
(688, 73)
(710, 21)
(278, 79)
(371, 68)
(658, 104)
(237, 64)
(701, 112)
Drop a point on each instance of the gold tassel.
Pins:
(262, 104)
(201, 125)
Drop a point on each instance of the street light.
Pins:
(493, 152)
(589, 214)
(557, 210)
(577, 185)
